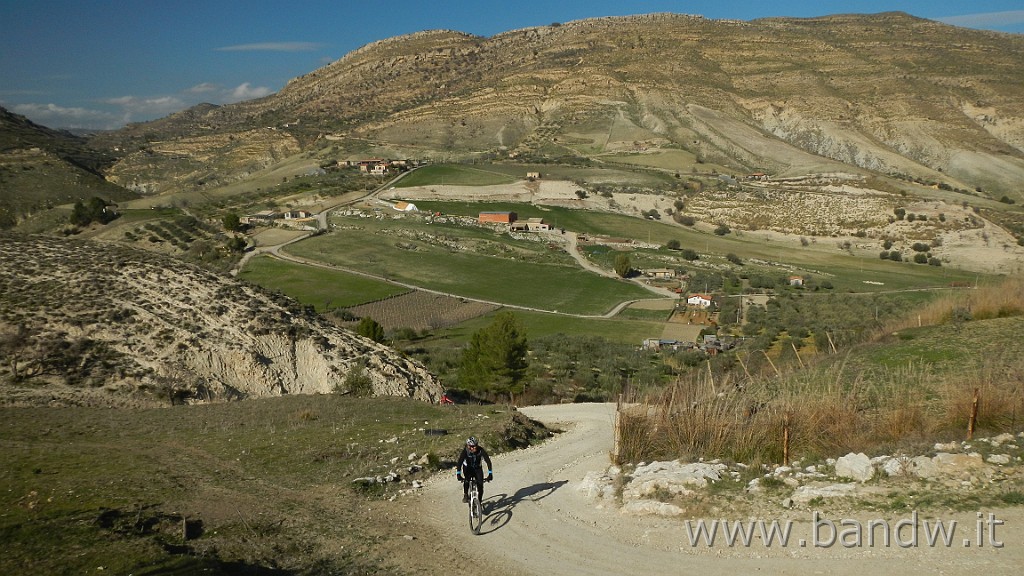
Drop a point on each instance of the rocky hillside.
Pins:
(887, 93)
(97, 324)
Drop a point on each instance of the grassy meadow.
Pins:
(254, 487)
(469, 262)
(322, 288)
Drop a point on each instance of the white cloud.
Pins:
(204, 88)
(272, 47)
(53, 115)
(112, 113)
(246, 91)
(133, 107)
(986, 20)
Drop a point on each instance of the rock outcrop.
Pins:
(86, 322)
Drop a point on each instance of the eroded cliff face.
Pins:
(884, 92)
(273, 365)
(100, 324)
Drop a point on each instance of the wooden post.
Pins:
(711, 378)
(831, 343)
(617, 431)
(795, 351)
(974, 416)
(745, 371)
(785, 439)
(777, 373)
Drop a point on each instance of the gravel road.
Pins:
(539, 523)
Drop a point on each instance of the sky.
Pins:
(100, 64)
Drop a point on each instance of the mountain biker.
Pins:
(471, 462)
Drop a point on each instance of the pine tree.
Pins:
(369, 328)
(495, 360)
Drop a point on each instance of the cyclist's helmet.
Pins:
(471, 441)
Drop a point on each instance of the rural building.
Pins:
(264, 217)
(659, 273)
(537, 225)
(496, 217)
(699, 300)
(375, 166)
(796, 280)
(533, 175)
(760, 176)
(297, 214)
(405, 207)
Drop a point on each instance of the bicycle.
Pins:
(476, 511)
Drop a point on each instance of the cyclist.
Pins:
(471, 462)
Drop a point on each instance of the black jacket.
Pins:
(473, 460)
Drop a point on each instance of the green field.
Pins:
(489, 174)
(453, 175)
(496, 268)
(620, 329)
(679, 160)
(846, 272)
(321, 288)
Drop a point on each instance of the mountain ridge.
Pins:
(887, 93)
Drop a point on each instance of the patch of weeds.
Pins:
(307, 415)
(1013, 497)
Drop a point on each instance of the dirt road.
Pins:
(539, 523)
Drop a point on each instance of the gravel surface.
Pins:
(539, 523)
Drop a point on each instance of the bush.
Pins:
(734, 259)
(722, 230)
(920, 258)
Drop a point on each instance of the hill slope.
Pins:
(40, 167)
(888, 93)
(90, 323)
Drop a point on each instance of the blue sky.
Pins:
(102, 63)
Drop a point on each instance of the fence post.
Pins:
(617, 431)
(974, 416)
(785, 439)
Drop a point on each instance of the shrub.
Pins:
(722, 230)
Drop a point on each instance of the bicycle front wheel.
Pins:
(476, 513)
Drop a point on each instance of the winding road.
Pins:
(538, 522)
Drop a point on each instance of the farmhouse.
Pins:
(496, 217)
(796, 280)
(375, 166)
(533, 175)
(659, 273)
(699, 300)
(264, 217)
(405, 207)
(537, 225)
(297, 214)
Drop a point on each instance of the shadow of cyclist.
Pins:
(498, 507)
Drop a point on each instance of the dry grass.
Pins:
(840, 406)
